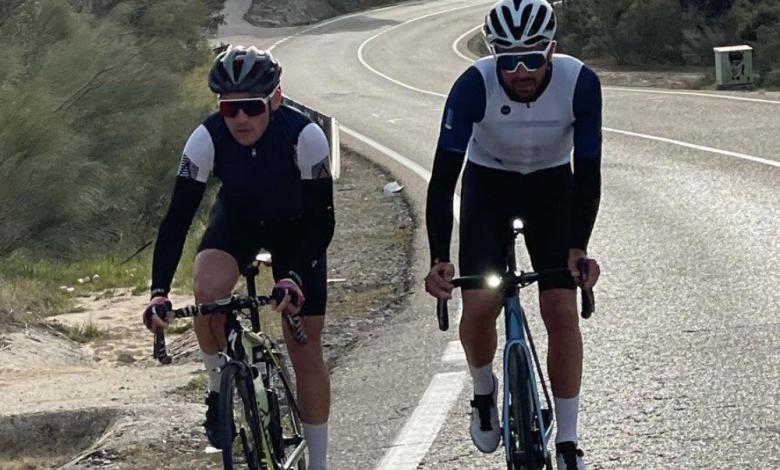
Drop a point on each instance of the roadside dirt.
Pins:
(107, 404)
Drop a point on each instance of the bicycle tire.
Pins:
(523, 429)
(285, 427)
(238, 419)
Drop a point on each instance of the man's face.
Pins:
(247, 115)
(525, 84)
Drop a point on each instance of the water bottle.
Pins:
(260, 370)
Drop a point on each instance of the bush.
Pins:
(671, 31)
(95, 106)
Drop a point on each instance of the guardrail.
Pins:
(329, 126)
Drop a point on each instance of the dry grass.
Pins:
(81, 333)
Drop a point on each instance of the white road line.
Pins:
(690, 93)
(697, 147)
(617, 131)
(627, 89)
(454, 354)
(387, 30)
(460, 38)
(420, 431)
(405, 161)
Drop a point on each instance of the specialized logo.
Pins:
(188, 169)
(505, 110)
(233, 340)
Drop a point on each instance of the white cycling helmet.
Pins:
(519, 23)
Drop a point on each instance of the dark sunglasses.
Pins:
(250, 106)
(531, 61)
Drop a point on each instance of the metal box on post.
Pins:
(734, 66)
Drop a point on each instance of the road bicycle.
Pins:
(526, 424)
(257, 414)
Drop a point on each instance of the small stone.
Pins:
(125, 358)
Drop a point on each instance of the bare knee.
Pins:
(480, 309)
(559, 311)
(215, 275)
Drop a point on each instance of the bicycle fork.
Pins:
(516, 328)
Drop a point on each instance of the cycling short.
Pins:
(491, 198)
(242, 240)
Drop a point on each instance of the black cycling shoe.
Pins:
(211, 424)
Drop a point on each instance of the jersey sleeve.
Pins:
(587, 157)
(465, 106)
(197, 162)
(197, 159)
(587, 115)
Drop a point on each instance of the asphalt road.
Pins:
(682, 366)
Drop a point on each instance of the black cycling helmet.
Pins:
(242, 69)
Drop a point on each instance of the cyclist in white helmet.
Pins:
(521, 117)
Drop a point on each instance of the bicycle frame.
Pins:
(258, 348)
(516, 337)
(246, 350)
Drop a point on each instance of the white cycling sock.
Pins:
(213, 363)
(317, 441)
(483, 379)
(566, 410)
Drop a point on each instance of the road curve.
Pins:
(682, 362)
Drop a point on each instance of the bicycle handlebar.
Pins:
(508, 281)
(233, 303)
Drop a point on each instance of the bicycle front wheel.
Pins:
(285, 428)
(523, 447)
(239, 422)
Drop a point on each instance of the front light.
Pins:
(493, 281)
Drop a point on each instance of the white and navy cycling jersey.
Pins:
(481, 119)
(282, 181)
(560, 126)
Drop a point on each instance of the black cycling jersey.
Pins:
(282, 183)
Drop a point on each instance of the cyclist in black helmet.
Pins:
(276, 193)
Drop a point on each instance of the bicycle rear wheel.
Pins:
(524, 448)
(238, 419)
(285, 428)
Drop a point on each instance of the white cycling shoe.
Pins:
(485, 427)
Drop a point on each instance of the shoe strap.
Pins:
(483, 404)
